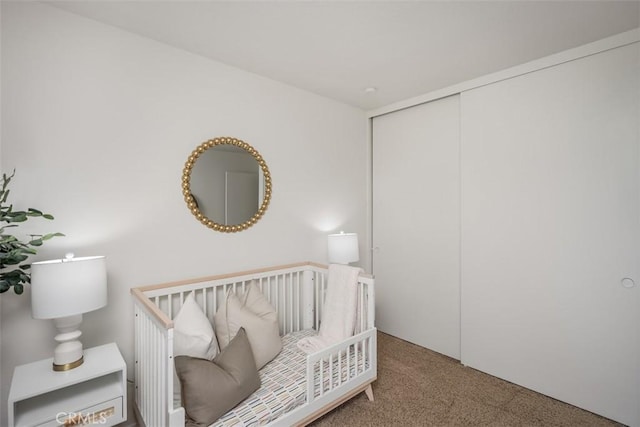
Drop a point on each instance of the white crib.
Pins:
(297, 293)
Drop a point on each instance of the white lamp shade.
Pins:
(66, 287)
(343, 248)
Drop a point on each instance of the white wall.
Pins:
(98, 124)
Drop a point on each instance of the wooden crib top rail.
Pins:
(139, 293)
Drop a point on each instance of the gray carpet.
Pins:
(419, 387)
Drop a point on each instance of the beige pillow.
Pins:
(212, 388)
(256, 315)
(192, 336)
(192, 332)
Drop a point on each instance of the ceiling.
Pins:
(340, 48)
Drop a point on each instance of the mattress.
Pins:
(283, 384)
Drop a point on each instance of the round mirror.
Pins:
(226, 184)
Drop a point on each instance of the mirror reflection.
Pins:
(226, 184)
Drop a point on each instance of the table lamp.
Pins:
(62, 290)
(343, 248)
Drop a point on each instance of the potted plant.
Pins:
(14, 273)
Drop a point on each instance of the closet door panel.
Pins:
(551, 227)
(416, 224)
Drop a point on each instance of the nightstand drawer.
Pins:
(105, 414)
(94, 393)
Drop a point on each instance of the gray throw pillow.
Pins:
(210, 388)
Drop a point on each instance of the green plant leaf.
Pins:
(17, 217)
(17, 256)
(6, 238)
(51, 235)
(14, 252)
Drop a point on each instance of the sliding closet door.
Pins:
(416, 224)
(551, 231)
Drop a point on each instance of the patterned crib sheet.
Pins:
(283, 384)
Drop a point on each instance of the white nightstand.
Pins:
(95, 391)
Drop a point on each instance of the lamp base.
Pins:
(68, 366)
(68, 354)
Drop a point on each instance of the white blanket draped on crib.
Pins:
(339, 310)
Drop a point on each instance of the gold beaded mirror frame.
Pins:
(222, 173)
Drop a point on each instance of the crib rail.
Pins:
(334, 375)
(297, 293)
(339, 364)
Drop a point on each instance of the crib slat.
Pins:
(298, 305)
(148, 368)
(361, 326)
(277, 293)
(321, 377)
(289, 290)
(154, 378)
(310, 384)
(268, 288)
(349, 362)
(340, 368)
(331, 372)
(156, 368)
(147, 384)
(204, 302)
(316, 324)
